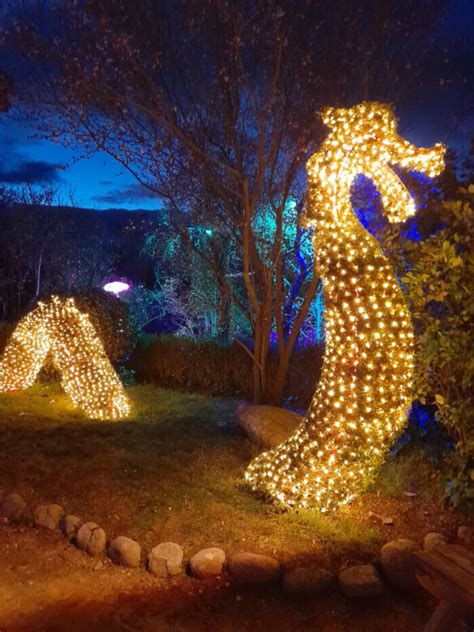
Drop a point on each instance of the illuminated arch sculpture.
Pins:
(364, 393)
(58, 328)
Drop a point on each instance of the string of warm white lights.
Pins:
(364, 392)
(58, 328)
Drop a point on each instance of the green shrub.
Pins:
(202, 366)
(216, 370)
(109, 315)
(440, 290)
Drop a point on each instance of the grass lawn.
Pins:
(174, 471)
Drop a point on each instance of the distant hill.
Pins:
(121, 213)
(70, 247)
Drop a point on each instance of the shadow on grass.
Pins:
(217, 605)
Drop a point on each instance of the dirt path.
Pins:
(48, 585)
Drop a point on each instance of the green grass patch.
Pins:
(411, 472)
(173, 471)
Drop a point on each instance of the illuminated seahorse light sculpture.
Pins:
(364, 393)
(58, 328)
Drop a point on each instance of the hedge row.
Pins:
(223, 371)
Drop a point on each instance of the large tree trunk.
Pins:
(276, 392)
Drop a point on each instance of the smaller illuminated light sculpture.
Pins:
(116, 287)
(364, 392)
(57, 328)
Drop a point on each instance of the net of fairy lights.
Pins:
(364, 393)
(57, 329)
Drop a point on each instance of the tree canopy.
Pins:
(212, 104)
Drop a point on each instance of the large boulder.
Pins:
(267, 426)
(207, 563)
(12, 507)
(91, 538)
(306, 579)
(165, 560)
(48, 516)
(398, 563)
(124, 551)
(360, 581)
(250, 568)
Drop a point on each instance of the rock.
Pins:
(360, 581)
(433, 539)
(91, 538)
(306, 579)
(267, 426)
(385, 520)
(251, 568)
(398, 563)
(48, 516)
(69, 525)
(3, 520)
(207, 563)
(12, 507)
(124, 551)
(465, 536)
(165, 559)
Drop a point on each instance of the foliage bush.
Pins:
(217, 370)
(203, 366)
(110, 317)
(440, 290)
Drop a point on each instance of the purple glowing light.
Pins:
(116, 287)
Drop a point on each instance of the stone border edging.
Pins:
(395, 565)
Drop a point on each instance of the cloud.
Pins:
(126, 194)
(30, 172)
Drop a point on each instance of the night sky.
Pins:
(99, 182)
(95, 182)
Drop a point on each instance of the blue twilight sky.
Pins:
(94, 182)
(100, 182)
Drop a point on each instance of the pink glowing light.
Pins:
(116, 287)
